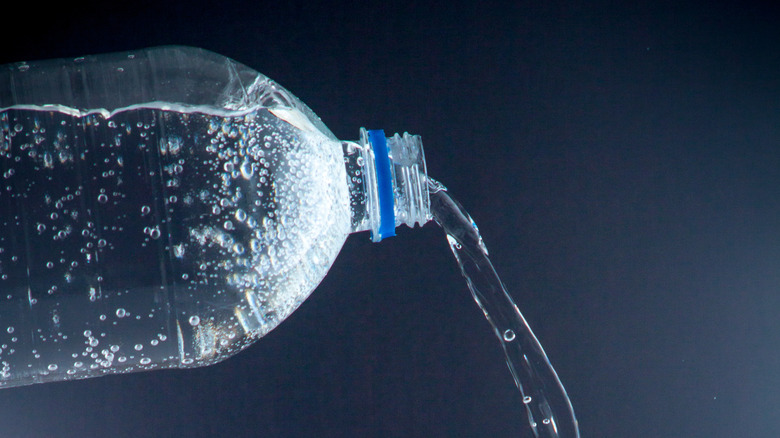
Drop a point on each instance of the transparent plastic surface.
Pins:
(184, 76)
(159, 209)
(165, 208)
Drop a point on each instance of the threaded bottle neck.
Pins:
(387, 182)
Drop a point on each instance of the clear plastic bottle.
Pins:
(167, 207)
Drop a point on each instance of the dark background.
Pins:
(622, 164)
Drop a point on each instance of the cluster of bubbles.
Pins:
(158, 237)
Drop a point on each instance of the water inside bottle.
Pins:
(549, 409)
(157, 236)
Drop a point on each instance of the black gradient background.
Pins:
(621, 161)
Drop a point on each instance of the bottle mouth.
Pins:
(401, 186)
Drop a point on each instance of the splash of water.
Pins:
(550, 413)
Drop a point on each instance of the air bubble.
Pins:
(509, 335)
(247, 170)
(121, 313)
(194, 320)
(102, 198)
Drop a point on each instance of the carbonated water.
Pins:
(157, 236)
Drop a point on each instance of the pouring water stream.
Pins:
(549, 409)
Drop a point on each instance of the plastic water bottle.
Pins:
(167, 207)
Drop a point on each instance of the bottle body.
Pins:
(140, 233)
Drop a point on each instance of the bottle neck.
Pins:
(387, 182)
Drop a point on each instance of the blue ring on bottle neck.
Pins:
(384, 184)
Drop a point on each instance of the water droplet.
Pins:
(145, 361)
(138, 347)
(10, 329)
(527, 399)
(52, 367)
